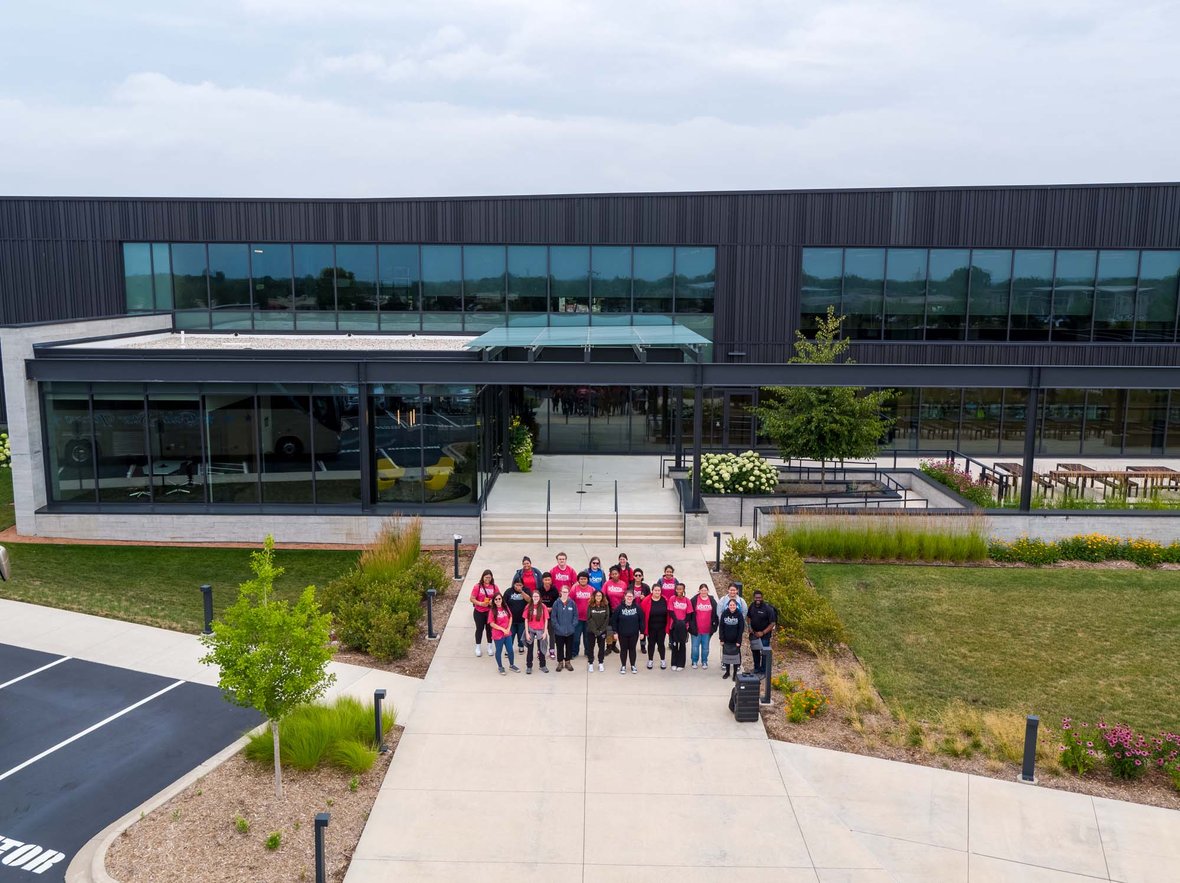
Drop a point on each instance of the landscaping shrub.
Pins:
(737, 550)
(774, 567)
(1092, 547)
(340, 734)
(377, 606)
(784, 684)
(747, 473)
(888, 537)
(947, 474)
(520, 444)
(1078, 750)
(1128, 753)
(1026, 550)
(804, 704)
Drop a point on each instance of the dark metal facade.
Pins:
(62, 258)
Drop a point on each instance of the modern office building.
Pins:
(211, 360)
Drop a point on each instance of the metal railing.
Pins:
(616, 513)
(986, 473)
(548, 506)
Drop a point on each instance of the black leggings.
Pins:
(565, 646)
(627, 649)
(481, 625)
(531, 645)
(678, 648)
(654, 640)
(591, 640)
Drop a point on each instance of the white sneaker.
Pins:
(600, 668)
(622, 669)
(634, 670)
(590, 667)
(649, 665)
(478, 650)
(663, 664)
(704, 665)
(694, 665)
(491, 649)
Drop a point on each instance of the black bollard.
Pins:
(321, 822)
(207, 591)
(378, 695)
(458, 539)
(768, 669)
(430, 593)
(1028, 769)
(717, 558)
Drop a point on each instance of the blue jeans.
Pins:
(579, 636)
(503, 644)
(700, 648)
(517, 633)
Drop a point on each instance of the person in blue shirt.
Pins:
(596, 573)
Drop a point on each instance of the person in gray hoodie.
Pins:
(564, 617)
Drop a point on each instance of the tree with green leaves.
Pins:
(824, 422)
(272, 656)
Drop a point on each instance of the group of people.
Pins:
(561, 613)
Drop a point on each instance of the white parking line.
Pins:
(29, 674)
(88, 730)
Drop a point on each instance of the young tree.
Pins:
(824, 422)
(272, 656)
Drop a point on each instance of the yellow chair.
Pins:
(438, 481)
(445, 461)
(388, 473)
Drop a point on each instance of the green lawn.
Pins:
(7, 513)
(150, 584)
(1079, 643)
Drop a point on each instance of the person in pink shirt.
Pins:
(625, 571)
(679, 611)
(481, 603)
(702, 624)
(614, 588)
(668, 581)
(500, 623)
(563, 575)
(536, 632)
(581, 594)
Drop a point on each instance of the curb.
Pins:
(89, 864)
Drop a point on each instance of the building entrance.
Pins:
(599, 419)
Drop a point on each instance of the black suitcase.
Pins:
(743, 699)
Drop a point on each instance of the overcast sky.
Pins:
(358, 98)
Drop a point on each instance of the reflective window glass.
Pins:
(987, 309)
(356, 278)
(938, 417)
(286, 443)
(483, 278)
(121, 444)
(1147, 421)
(1173, 438)
(334, 442)
(399, 287)
(270, 271)
(1013, 423)
(946, 294)
(905, 293)
(528, 278)
(819, 286)
(1073, 295)
(442, 288)
(231, 433)
(1114, 295)
(1062, 416)
(1155, 311)
(696, 279)
(162, 268)
(174, 444)
(653, 280)
(137, 277)
(450, 444)
(229, 276)
(610, 278)
(903, 434)
(1105, 419)
(315, 288)
(1032, 294)
(980, 429)
(189, 269)
(69, 443)
(864, 282)
(569, 273)
(396, 414)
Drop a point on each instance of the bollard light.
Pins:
(717, 557)
(321, 822)
(1028, 768)
(378, 695)
(430, 593)
(767, 669)
(458, 540)
(207, 591)
(5, 570)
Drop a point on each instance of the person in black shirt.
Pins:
(550, 594)
(762, 618)
(516, 600)
(627, 620)
(655, 623)
(729, 632)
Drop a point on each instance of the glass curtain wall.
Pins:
(69, 448)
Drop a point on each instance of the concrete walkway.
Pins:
(609, 777)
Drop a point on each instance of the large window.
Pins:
(442, 288)
(315, 287)
(1114, 295)
(1155, 310)
(1073, 295)
(864, 282)
(653, 279)
(528, 281)
(905, 293)
(821, 281)
(270, 267)
(610, 279)
(484, 283)
(1032, 294)
(569, 279)
(356, 287)
(399, 299)
(946, 293)
(696, 279)
(988, 304)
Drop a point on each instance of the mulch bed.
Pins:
(193, 838)
(832, 730)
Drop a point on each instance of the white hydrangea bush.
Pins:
(5, 451)
(747, 473)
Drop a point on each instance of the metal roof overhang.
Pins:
(276, 366)
(535, 339)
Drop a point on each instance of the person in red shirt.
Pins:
(536, 632)
(625, 571)
(481, 602)
(702, 624)
(563, 575)
(614, 588)
(668, 581)
(581, 594)
(500, 623)
(679, 610)
(528, 575)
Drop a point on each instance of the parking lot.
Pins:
(82, 744)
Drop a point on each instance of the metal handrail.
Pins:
(548, 506)
(985, 471)
(616, 513)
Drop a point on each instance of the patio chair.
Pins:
(388, 473)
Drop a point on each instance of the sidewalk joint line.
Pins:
(35, 671)
(89, 730)
(1101, 842)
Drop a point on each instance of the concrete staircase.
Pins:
(665, 529)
